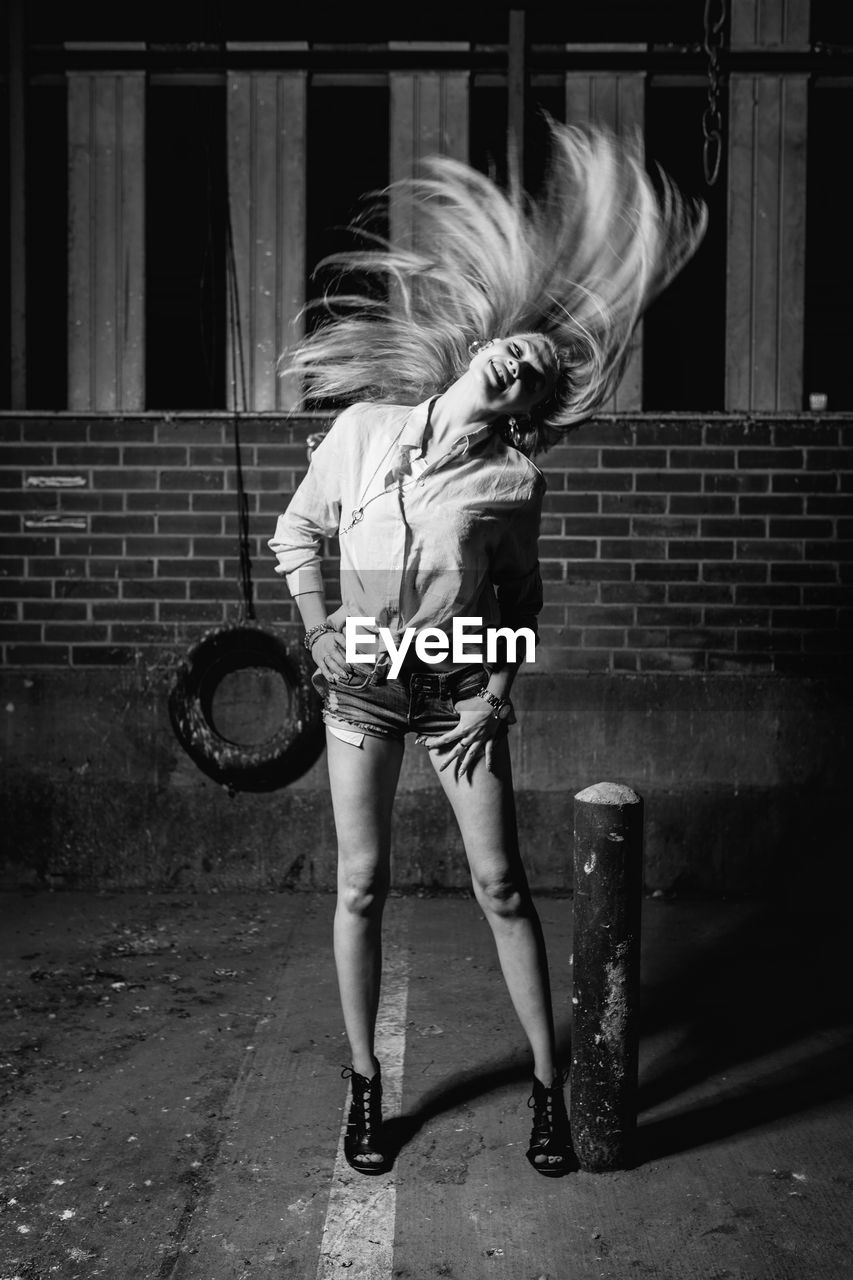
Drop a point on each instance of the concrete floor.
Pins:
(173, 1100)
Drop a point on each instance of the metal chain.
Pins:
(712, 119)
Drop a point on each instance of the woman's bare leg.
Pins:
(484, 806)
(363, 782)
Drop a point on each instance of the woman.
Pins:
(511, 321)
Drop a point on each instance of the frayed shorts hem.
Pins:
(359, 726)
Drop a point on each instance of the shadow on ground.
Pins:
(463, 1088)
(756, 1017)
(747, 1018)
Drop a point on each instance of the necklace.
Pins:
(358, 512)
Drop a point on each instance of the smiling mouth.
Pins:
(499, 376)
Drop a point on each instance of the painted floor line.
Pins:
(359, 1230)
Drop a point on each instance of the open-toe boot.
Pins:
(363, 1147)
(550, 1150)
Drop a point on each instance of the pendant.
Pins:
(357, 515)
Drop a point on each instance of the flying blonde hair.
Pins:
(578, 265)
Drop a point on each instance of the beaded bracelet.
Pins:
(311, 636)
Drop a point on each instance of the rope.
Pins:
(214, 15)
(238, 391)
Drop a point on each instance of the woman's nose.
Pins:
(512, 366)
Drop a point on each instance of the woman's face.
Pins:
(514, 374)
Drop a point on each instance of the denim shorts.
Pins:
(417, 701)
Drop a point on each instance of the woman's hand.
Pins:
(471, 738)
(329, 652)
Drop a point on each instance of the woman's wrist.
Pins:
(499, 688)
(500, 682)
(313, 634)
(312, 610)
(501, 707)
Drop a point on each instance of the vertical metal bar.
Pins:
(106, 240)
(81, 318)
(429, 116)
(616, 100)
(17, 208)
(266, 192)
(608, 879)
(292, 200)
(765, 260)
(517, 84)
(791, 263)
(404, 150)
(770, 24)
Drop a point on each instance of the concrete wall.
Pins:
(744, 780)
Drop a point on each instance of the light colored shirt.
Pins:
(421, 541)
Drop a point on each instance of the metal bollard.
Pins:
(608, 881)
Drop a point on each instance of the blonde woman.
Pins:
(509, 324)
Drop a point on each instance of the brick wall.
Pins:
(669, 544)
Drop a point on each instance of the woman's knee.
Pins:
(362, 890)
(502, 896)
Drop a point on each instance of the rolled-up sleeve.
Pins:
(514, 570)
(312, 514)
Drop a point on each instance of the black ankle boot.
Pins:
(363, 1138)
(550, 1151)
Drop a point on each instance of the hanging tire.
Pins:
(262, 766)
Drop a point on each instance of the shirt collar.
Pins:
(413, 433)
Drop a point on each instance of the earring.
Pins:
(479, 344)
(515, 433)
